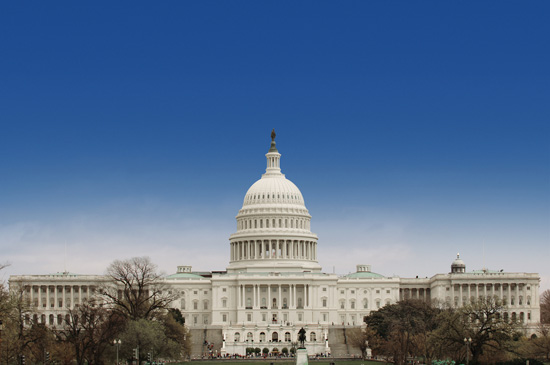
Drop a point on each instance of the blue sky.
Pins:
(415, 130)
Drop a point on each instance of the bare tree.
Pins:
(545, 306)
(482, 321)
(136, 289)
(90, 329)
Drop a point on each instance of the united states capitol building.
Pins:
(274, 285)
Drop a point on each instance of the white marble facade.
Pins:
(274, 285)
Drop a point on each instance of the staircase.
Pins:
(339, 345)
(205, 340)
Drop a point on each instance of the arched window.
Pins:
(249, 337)
(205, 304)
(342, 304)
(182, 303)
(274, 303)
(262, 336)
(312, 337)
(287, 336)
(59, 319)
(365, 303)
(264, 302)
(237, 336)
(352, 304)
(51, 319)
(285, 303)
(275, 337)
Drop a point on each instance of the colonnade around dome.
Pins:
(273, 249)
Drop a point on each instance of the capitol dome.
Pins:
(273, 225)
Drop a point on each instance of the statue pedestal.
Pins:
(301, 357)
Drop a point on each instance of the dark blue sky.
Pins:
(416, 125)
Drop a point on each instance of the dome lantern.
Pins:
(273, 158)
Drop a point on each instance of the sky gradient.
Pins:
(414, 131)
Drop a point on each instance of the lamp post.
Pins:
(467, 343)
(117, 344)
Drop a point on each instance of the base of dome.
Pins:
(273, 266)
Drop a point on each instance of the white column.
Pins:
(48, 297)
(39, 296)
(452, 294)
(279, 303)
(269, 296)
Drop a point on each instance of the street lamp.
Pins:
(467, 343)
(117, 344)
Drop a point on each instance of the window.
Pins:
(365, 303)
(324, 302)
(325, 317)
(287, 336)
(249, 317)
(300, 315)
(224, 303)
(352, 304)
(312, 337)
(342, 304)
(237, 336)
(353, 292)
(195, 292)
(387, 291)
(378, 304)
(324, 289)
(195, 305)
(377, 291)
(205, 304)
(262, 336)
(224, 317)
(249, 337)
(341, 292)
(224, 290)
